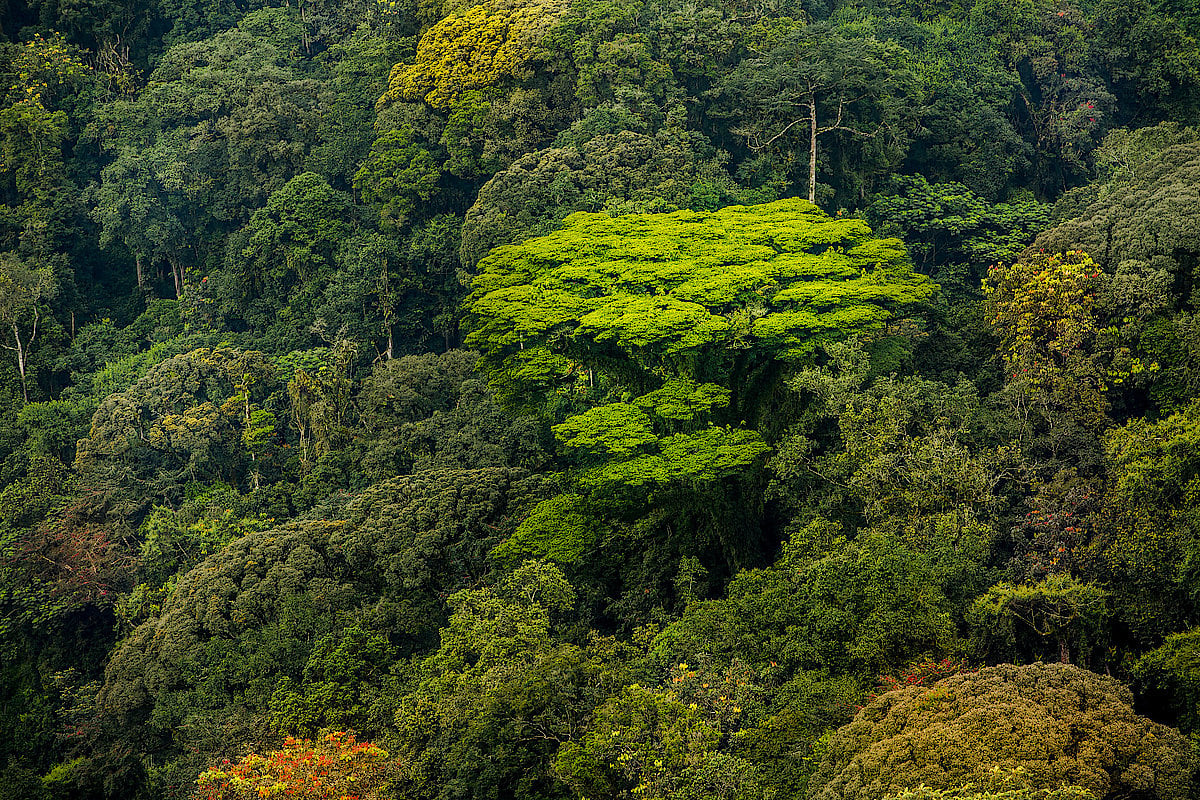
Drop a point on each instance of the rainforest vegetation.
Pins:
(600, 399)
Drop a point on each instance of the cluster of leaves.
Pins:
(973, 792)
(1058, 724)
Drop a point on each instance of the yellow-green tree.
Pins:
(32, 126)
(1043, 308)
(474, 49)
(665, 332)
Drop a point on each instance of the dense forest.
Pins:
(599, 399)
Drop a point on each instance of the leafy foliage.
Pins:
(686, 292)
(502, 690)
(186, 419)
(978, 793)
(647, 743)
(626, 172)
(1060, 724)
(336, 766)
(720, 459)
(1148, 521)
(472, 50)
(1043, 308)
(1060, 610)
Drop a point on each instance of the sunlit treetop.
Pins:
(471, 50)
(684, 294)
(336, 766)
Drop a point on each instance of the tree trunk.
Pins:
(812, 151)
(137, 263)
(20, 349)
(1064, 651)
(177, 274)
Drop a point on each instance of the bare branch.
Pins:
(753, 142)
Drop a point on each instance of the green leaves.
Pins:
(689, 459)
(1151, 533)
(472, 49)
(859, 608)
(817, 82)
(221, 125)
(1043, 309)
(561, 529)
(682, 400)
(618, 429)
(397, 173)
(504, 688)
(183, 420)
(623, 172)
(1066, 613)
(946, 225)
(653, 745)
(25, 290)
(657, 327)
(683, 292)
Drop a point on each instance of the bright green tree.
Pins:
(701, 297)
(667, 328)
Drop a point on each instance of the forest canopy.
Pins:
(550, 399)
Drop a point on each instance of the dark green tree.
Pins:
(817, 83)
(221, 125)
(505, 687)
(192, 417)
(279, 263)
